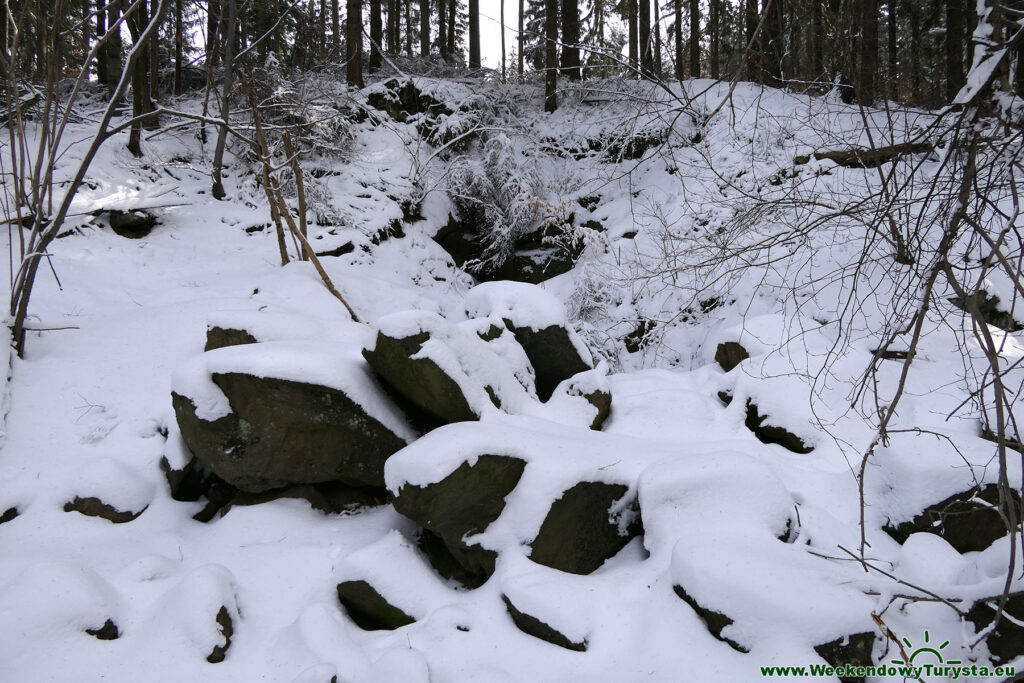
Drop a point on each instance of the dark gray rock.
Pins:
(94, 507)
(132, 224)
(853, 650)
(227, 630)
(969, 521)
(8, 515)
(578, 534)
(282, 432)
(108, 631)
(533, 626)
(773, 434)
(715, 621)
(368, 608)
(465, 502)
(730, 354)
(219, 337)
(420, 381)
(1006, 641)
(552, 354)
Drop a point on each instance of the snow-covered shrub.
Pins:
(500, 194)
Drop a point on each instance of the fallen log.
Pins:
(867, 157)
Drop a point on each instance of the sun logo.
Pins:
(926, 648)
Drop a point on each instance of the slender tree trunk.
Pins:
(522, 19)
(179, 45)
(376, 35)
(474, 34)
(643, 18)
(213, 11)
(336, 26)
(694, 39)
(114, 48)
(656, 25)
(867, 63)
(892, 52)
(408, 28)
(954, 48)
(817, 39)
(227, 82)
(442, 29)
(771, 36)
(393, 44)
(354, 43)
(677, 37)
(915, 52)
(550, 55)
(501, 24)
(154, 55)
(570, 40)
(634, 34)
(425, 27)
(452, 10)
(714, 32)
(101, 54)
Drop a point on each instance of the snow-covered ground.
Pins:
(90, 416)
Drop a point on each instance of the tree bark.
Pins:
(114, 48)
(570, 40)
(915, 52)
(452, 9)
(954, 48)
(408, 28)
(442, 29)
(393, 30)
(179, 45)
(101, 54)
(522, 20)
(677, 37)
(771, 40)
(867, 50)
(643, 18)
(634, 34)
(474, 34)
(336, 26)
(817, 39)
(550, 55)
(892, 52)
(501, 25)
(656, 24)
(376, 35)
(154, 55)
(714, 31)
(694, 38)
(227, 82)
(425, 27)
(354, 43)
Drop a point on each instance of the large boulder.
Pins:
(539, 322)
(446, 370)
(557, 494)
(265, 416)
(968, 521)
(578, 533)
(463, 503)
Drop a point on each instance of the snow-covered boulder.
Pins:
(969, 521)
(447, 369)
(263, 416)
(539, 322)
(558, 494)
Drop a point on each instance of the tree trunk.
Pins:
(408, 28)
(817, 40)
(376, 35)
(550, 55)
(954, 48)
(354, 43)
(425, 27)
(114, 48)
(657, 39)
(154, 55)
(643, 18)
(570, 40)
(867, 50)
(179, 45)
(915, 52)
(101, 54)
(227, 82)
(442, 29)
(677, 37)
(634, 34)
(336, 26)
(501, 25)
(474, 34)
(771, 40)
(452, 8)
(694, 39)
(141, 102)
(714, 31)
(393, 44)
(522, 19)
(892, 52)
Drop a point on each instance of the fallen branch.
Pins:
(867, 157)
